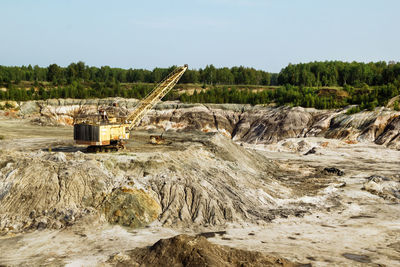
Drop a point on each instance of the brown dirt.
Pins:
(184, 250)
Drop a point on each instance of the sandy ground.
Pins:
(364, 224)
(17, 129)
(362, 229)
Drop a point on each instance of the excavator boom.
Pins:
(155, 96)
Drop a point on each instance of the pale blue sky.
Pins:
(265, 34)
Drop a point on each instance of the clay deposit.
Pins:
(246, 185)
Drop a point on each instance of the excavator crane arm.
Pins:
(102, 133)
(155, 96)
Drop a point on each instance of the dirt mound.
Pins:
(213, 181)
(51, 190)
(38, 193)
(199, 180)
(184, 250)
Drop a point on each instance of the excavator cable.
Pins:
(155, 96)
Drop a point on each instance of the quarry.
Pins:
(242, 133)
(229, 185)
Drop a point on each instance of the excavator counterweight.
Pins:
(104, 133)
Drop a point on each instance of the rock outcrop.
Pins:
(131, 207)
(390, 135)
(385, 187)
(242, 123)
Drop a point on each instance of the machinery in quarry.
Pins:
(105, 131)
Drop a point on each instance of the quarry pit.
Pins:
(297, 186)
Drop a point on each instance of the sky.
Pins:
(264, 34)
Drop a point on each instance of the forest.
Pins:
(338, 73)
(82, 73)
(289, 95)
(322, 85)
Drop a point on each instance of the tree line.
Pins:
(313, 74)
(314, 84)
(76, 90)
(338, 73)
(364, 98)
(82, 73)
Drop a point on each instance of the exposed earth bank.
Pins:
(244, 123)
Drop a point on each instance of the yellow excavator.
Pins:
(104, 132)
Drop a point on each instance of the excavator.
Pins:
(104, 132)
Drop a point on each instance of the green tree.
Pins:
(53, 73)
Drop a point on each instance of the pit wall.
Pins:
(242, 123)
